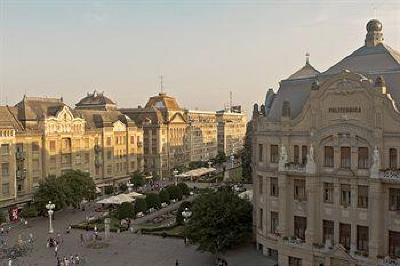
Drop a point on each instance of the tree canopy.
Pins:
(140, 205)
(68, 189)
(137, 179)
(220, 221)
(174, 192)
(184, 188)
(164, 196)
(125, 210)
(179, 217)
(153, 201)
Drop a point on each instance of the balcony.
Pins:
(20, 156)
(97, 148)
(390, 174)
(140, 144)
(21, 174)
(388, 261)
(295, 168)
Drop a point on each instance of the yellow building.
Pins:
(231, 131)
(43, 136)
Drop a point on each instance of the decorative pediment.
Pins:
(119, 126)
(65, 114)
(177, 118)
(64, 122)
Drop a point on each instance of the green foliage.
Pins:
(220, 158)
(153, 201)
(197, 164)
(108, 190)
(164, 196)
(123, 187)
(179, 217)
(125, 210)
(184, 188)
(2, 217)
(29, 211)
(220, 221)
(67, 190)
(245, 154)
(137, 179)
(140, 205)
(174, 192)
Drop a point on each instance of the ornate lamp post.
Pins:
(130, 186)
(175, 173)
(50, 207)
(209, 164)
(186, 216)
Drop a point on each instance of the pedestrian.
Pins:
(177, 263)
(72, 259)
(56, 251)
(2, 230)
(10, 262)
(77, 259)
(82, 240)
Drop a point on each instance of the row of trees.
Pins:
(153, 200)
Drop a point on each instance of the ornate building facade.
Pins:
(326, 162)
(174, 136)
(43, 136)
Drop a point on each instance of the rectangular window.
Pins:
(363, 197)
(345, 157)
(5, 149)
(328, 228)
(329, 156)
(35, 147)
(260, 153)
(295, 261)
(304, 154)
(132, 139)
(52, 145)
(5, 188)
(345, 195)
(328, 192)
(300, 225)
(109, 155)
(394, 199)
(394, 244)
(393, 158)
(5, 169)
(274, 222)
(86, 143)
(362, 238)
(274, 156)
(132, 165)
(260, 219)
(274, 187)
(345, 235)
(108, 141)
(363, 158)
(260, 184)
(86, 157)
(296, 154)
(299, 189)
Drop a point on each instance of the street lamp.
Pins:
(232, 159)
(186, 216)
(130, 186)
(175, 173)
(50, 207)
(209, 164)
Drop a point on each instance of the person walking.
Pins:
(176, 263)
(56, 251)
(82, 240)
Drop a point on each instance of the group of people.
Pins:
(66, 261)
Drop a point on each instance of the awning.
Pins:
(118, 199)
(135, 195)
(198, 172)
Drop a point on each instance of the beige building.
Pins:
(174, 136)
(202, 135)
(43, 136)
(231, 131)
(326, 159)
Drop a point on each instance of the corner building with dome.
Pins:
(326, 162)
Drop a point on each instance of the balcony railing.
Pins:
(295, 167)
(19, 155)
(390, 174)
(20, 174)
(388, 261)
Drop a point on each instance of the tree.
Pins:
(153, 201)
(179, 217)
(108, 190)
(174, 192)
(245, 153)
(67, 190)
(140, 205)
(184, 188)
(164, 196)
(220, 158)
(220, 221)
(137, 179)
(125, 210)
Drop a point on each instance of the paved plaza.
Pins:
(124, 249)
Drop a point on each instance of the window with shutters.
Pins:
(345, 157)
(274, 156)
(363, 197)
(363, 158)
(329, 156)
(296, 154)
(393, 158)
(274, 187)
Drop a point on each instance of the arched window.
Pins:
(286, 109)
(393, 158)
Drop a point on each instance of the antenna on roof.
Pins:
(307, 58)
(161, 83)
(230, 100)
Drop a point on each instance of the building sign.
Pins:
(345, 109)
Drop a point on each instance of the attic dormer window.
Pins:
(286, 109)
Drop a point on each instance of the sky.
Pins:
(203, 49)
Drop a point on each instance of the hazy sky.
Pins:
(203, 48)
